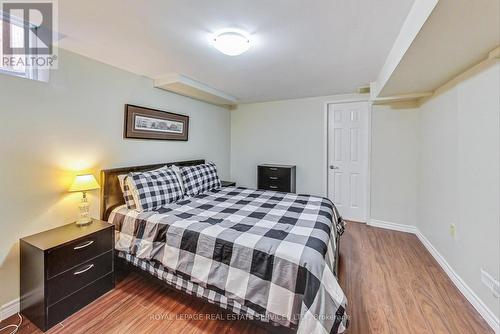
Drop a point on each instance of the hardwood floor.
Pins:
(392, 283)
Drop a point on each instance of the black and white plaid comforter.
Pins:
(271, 252)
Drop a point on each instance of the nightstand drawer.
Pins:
(76, 278)
(76, 252)
(274, 172)
(274, 186)
(62, 309)
(281, 180)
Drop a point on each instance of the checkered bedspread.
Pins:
(271, 252)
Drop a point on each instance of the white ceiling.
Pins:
(302, 47)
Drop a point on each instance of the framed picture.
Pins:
(147, 123)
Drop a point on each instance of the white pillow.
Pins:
(128, 196)
(133, 191)
(121, 178)
(177, 172)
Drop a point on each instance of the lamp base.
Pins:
(84, 221)
(84, 212)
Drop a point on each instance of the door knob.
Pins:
(334, 167)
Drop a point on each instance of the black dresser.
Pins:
(64, 269)
(276, 177)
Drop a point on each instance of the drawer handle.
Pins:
(86, 244)
(273, 177)
(273, 187)
(90, 266)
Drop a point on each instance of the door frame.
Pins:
(369, 149)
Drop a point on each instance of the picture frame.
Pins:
(154, 124)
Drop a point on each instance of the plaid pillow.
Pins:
(200, 178)
(127, 192)
(156, 188)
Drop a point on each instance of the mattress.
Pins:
(271, 254)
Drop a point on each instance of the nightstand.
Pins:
(64, 269)
(228, 184)
(276, 178)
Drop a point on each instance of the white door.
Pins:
(348, 158)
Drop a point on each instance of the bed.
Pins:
(264, 255)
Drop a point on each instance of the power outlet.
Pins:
(491, 283)
(453, 230)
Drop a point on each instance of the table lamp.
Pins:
(84, 183)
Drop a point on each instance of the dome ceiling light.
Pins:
(232, 42)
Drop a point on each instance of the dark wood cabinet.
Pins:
(276, 177)
(64, 269)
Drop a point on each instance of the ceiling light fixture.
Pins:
(232, 42)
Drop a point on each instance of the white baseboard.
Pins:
(475, 301)
(470, 295)
(9, 309)
(392, 226)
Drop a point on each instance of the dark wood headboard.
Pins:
(111, 194)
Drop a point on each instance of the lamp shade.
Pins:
(84, 183)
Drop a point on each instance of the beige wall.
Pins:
(394, 165)
(282, 132)
(75, 123)
(292, 132)
(459, 183)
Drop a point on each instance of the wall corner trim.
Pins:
(9, 309)
(468, 293)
